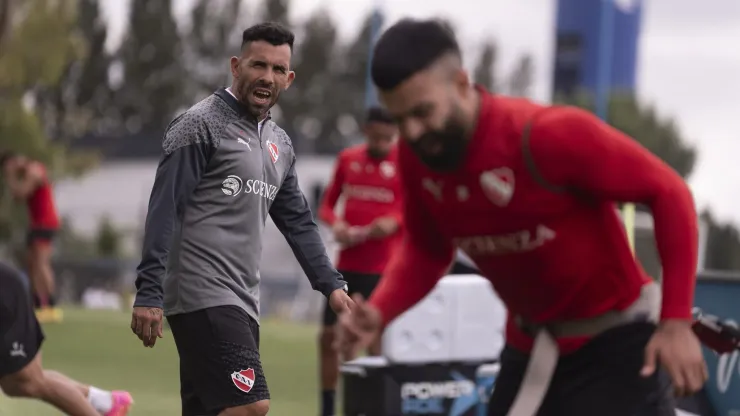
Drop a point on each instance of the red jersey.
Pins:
(372, 189)
(41, 210)
(536, 213)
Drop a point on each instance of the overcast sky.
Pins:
(689, 64)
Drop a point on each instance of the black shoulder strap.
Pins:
(530, 164)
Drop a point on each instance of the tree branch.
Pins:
(5, 10)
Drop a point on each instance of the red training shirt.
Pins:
(41, 210)
(550, 254)
(372, 189)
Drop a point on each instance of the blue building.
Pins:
(578, 41)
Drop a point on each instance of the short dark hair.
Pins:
(378, 115)
(408, 47)
(270, 32)
(5, 156)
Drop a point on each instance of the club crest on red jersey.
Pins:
(387, 169)
(274, 151)
(244, 379)
(498, 185)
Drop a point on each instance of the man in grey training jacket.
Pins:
(225, 166)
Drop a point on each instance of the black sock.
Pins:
(36, 301)
(52, 301)
(327, 403)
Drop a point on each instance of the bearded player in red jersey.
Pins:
(367, 231)
(27, 180)
(529, 192)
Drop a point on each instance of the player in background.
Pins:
(28, 182)
(528, 192)
(21, 372)
(366, 176)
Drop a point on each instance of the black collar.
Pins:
(240, 108)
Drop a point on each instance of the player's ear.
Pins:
(234, 63)
(462, 80)
(291, 77)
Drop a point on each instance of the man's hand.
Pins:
(357, 330)
(341, 232)
(348, 236)
(340, 302)
(382, 227)
(675, 346)
(147, 324)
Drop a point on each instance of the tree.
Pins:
(663, 138)
(5, 10)
(154, 76)
(350, 88)
(485, 71)
(723, 244)
(276, 11)
(213, 38)
(72, 245)
(80, 100)
(307, 105)
(92, 82)
(520, 79)
(108, 239)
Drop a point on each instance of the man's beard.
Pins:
(246, 97)
(453, 144)
(376, 153)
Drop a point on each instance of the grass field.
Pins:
(97, 347)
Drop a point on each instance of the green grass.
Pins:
(98, 348)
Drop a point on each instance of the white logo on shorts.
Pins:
(17, 350)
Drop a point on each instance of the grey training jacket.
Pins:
(217, 180)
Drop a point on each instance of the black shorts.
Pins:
(40, 234)
(20, 333)
(361, 283)
(219, 360)
(602, 378)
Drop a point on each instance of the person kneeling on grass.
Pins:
(21, 373)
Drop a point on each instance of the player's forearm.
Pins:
(156, 243)
(409, 277)
(676, 235)
(292, 216)
(149, 292)
(150, 272)
(383, 227)
(304, 239)
(327, 215)
(331, 195)
(177, 176)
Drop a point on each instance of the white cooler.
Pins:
(462, 319)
